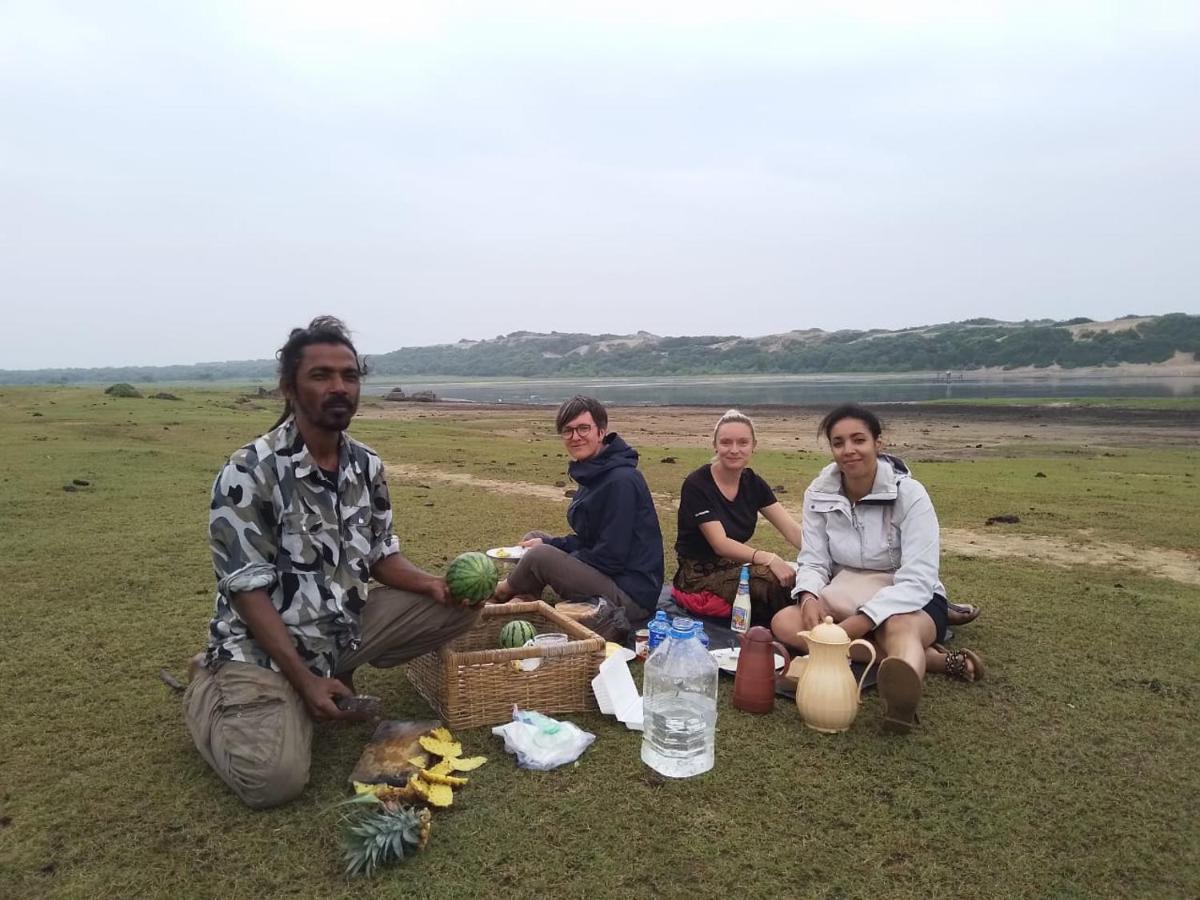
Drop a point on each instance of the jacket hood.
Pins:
(890, 471)
(614, 454)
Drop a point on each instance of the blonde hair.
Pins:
(734, 415)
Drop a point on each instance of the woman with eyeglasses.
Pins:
(615, 548)
(719, 506)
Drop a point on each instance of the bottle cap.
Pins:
(682, 627)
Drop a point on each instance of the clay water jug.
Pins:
(754, 682)
(826, 693)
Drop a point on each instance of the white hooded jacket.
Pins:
(891, 529)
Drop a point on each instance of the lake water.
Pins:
(746, 390)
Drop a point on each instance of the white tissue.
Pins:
(616, 692)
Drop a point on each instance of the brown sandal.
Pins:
(961, 613)
(899, 689)
(956, 664)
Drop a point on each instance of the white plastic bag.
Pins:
(541, 743)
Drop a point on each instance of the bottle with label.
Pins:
(740, 622)
(658, 629)
(679, 702)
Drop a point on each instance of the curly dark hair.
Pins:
(850, 411)
(321, 330)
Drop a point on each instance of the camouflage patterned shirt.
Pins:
(279, 523)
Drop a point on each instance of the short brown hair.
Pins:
(577, 406)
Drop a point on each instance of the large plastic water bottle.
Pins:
(658, 628)
(679, 701)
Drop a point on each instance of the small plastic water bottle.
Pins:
(658, 629)
(741, 604)
(679, 702)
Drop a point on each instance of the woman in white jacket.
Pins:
(869, 559)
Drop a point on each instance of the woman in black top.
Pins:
(719, 506)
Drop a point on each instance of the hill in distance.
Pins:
(959, 346)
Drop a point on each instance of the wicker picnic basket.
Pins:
(469, 682)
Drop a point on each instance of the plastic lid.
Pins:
(829, 633)
(682, 627)
(660, 616)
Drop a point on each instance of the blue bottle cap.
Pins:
(682, 627)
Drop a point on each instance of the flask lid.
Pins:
(829, 633)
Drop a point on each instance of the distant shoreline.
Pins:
(936, 415)
(1169, 369)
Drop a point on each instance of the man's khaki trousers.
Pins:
(251, 726)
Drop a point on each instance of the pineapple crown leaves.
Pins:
(384, 834)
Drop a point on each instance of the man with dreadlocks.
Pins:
(300, 521)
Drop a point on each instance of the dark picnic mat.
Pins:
(720, 636)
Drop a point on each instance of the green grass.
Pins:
(1069, 772)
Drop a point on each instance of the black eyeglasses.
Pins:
(582, 430)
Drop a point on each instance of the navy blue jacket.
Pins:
(616, 527)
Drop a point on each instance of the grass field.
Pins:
(1070, 772)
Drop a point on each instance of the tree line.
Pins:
(973, 344)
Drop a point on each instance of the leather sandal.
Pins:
(899, 689)
(961, 613)
(956, 664)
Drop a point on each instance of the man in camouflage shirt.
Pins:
(300, 521)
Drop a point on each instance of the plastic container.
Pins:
(702, 635)
(540, 640)
(658, 628)
(641, 643)
(679, 703)
(740, 620)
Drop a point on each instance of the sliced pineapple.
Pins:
(392, 793)
(442, 778)
(467, 764)
(361, 788)
(442, 768)
(420, 787)
(439, 794)
(442, 734)
(441, 748)
(420, 760)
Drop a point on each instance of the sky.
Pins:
(186, 182)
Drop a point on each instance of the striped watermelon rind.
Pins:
(472, 577)
(515, 633)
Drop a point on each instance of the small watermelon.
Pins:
(472, 577)
(515, 633)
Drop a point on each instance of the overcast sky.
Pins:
(184, 182)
